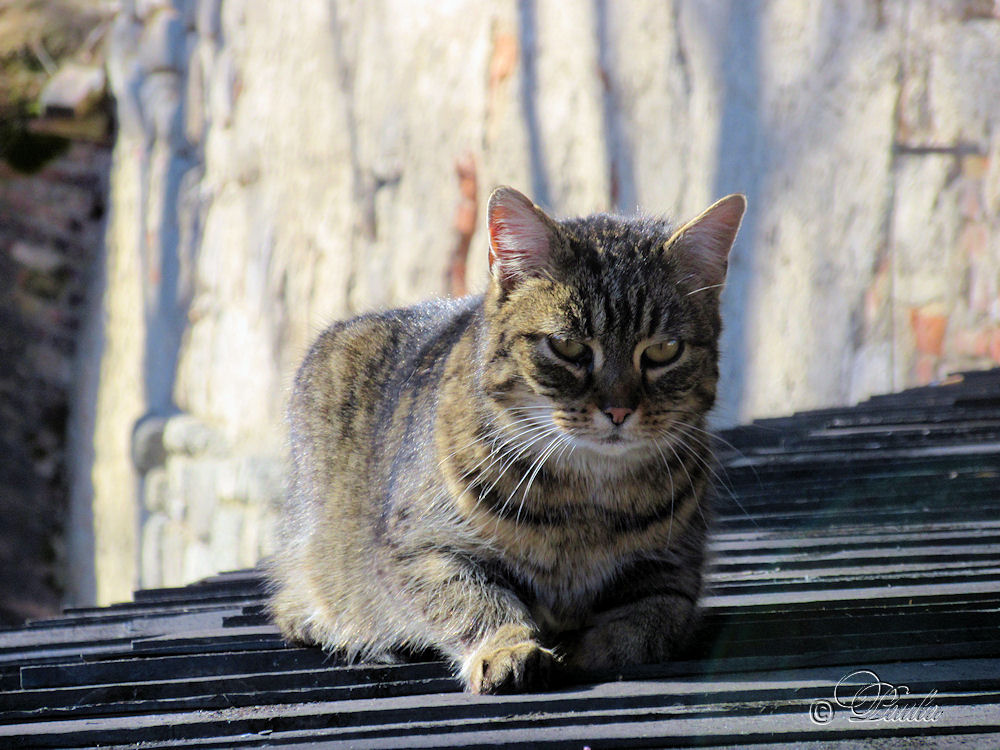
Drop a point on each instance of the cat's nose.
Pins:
(618, 414)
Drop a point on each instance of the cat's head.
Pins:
(602, 332)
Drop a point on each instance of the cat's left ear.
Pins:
(703, 244)
(523, 240)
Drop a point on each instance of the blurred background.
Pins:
(191, 189)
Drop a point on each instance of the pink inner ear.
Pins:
(708, 239)
(519, 239)
(709, 252)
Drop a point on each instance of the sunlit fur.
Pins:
(456, 485)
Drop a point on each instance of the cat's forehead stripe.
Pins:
(654, 318)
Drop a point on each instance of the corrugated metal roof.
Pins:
(862, 541)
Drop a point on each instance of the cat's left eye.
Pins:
(569, 349)
(663, 353)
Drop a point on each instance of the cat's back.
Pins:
(353, 374)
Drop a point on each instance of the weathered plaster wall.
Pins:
(283, 164)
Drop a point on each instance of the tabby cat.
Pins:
(518, 480)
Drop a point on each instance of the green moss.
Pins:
(31, 30)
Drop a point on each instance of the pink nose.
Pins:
(618, 413)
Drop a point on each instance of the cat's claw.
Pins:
(509, 667)
(512, 669)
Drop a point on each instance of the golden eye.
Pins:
(569, 349)
(663, 353)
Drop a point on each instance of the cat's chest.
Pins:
(564, 576)
(565, 542)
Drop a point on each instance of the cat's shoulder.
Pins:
(374, 339)
(397, 324)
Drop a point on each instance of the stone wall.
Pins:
(282, 164)
(51, 225)
(55, 154)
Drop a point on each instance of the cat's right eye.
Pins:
(662, 353)
(569, 349)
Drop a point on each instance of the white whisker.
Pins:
(670, 476)
(697, 499)
(717, 478)
(556, 443)
(704, 288)
(537, 461)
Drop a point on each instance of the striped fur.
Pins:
(456, 484)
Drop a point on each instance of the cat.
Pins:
(519, 481)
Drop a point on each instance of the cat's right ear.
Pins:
(522, 238)
(703, 244)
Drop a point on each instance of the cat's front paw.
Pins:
(616, 643)
(648, 631)
(604, 647)
(510, 661)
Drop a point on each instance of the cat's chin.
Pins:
(612, 447)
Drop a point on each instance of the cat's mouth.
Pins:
(614, 443)
(596, 436)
